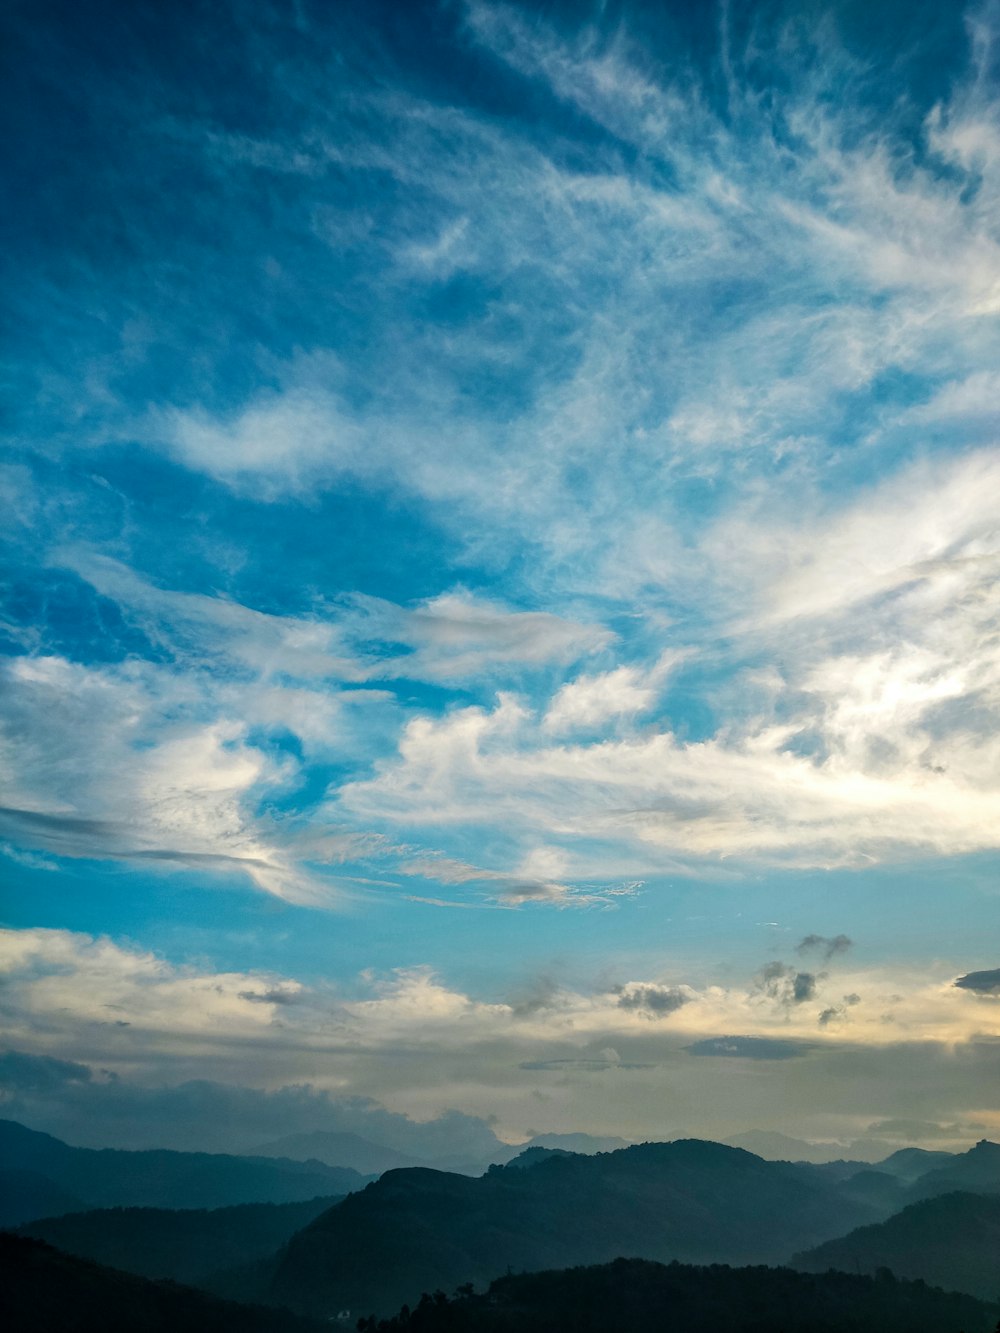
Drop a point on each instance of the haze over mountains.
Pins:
(783, 1148)
(690, 1200)
(158, 1178)
(339, 1149)
(951, 1241)
(416, 1228)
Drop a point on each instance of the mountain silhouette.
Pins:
(777, 1147)
(910, 1163)
(977, 1170)
(158, 1178)
(951, 1240)
(416, 1229)
(588, 1144)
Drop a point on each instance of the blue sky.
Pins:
(500, 563)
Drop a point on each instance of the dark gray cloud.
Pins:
(22, 824)
(20, 1072)
(836, 1012)
(785, 984)
(984, 983)
(654, 1001)
(827, 946)
(772, 976)
(94, 1109)
(803, 987)
(750, 1048)
(270, 996)
(537, 994)
(596, 1066)
(72, 835)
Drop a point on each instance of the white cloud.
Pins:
(589, 702)
(857, 743)
(869, 740)
(977, 397)
(457, 635)
(932, 528)
(209, 628)
(134, 763)
(116, 1002)
(275, 445)
(540, 876)
(165, 762)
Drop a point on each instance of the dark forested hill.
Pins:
(45, 1291)
(635, 1296)
(952, 1240)
(187, 1245)
(414, 1230)
(110, 1177)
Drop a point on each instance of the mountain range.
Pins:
(690, 1200)
(417, 1228)
(951, 1240)
(338, 1148)
(46, 1170)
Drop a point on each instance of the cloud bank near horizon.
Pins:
(423, 1047)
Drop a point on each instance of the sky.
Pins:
(500, 628)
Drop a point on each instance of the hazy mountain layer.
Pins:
(952, 1241)
(370, 1158)
(110, 1177)
(336, 1148)
(414, 1230)
(911, 1163)
(977, 1170)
